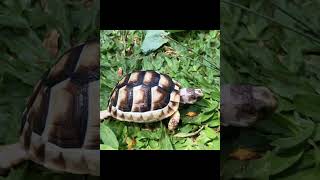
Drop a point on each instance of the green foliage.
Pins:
(189, 57)
(275, 44)
(154, 39)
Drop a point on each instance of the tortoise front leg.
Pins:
(174, 121)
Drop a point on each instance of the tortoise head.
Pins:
(189, 95)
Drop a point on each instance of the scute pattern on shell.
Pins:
(60, 125)
(144, 96)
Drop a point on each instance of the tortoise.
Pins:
(148, 96)
(243, 105)
(60, 124)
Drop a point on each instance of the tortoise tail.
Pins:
(104, 114)
(10, 156)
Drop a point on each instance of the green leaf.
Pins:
(202, 138)
(13, 21)
(270, 164)
(308, 174)
(108, 137)
(307, 129)
(210, 133)
(106, 147)
(214, 123)
(316, 152)
(308, 104)
(154, 39)
(165, 141)
(202, 118)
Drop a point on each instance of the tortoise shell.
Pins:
(144, 96)
(60, 125)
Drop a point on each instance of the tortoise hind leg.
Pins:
(104, 114)
(174, 121)
(10, 156)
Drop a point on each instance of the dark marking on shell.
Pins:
(155, 78)
(163, 99)
(83, 164)
(94, 142)
(72, 61)
(130, 117)
(141, 105)
(169, 109)
(60, 161)
(140, 78)
(171, 84)
(125, 102)
(115, 99)
(84, 110)
(85, 78)
(27, 138)
(125, 81)
(114, 113)
(69, 130)
(30, 102)
(23, 120)
(174, 103)
(149, 100)
(40, 152)
(37, 117)
(162, 113)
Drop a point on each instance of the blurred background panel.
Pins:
(33, 35)
(273, 45)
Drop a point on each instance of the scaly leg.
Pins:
(174, 121)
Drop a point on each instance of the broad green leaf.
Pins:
(108, 137)
(154, 39)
